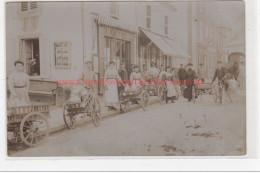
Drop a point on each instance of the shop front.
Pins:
(117, 44)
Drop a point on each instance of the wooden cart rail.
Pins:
(16, 114)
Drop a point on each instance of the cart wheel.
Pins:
(95, 112)
(34, 129)
(161, 94)
(14, 137)
(69, 119)
(145, 100)
(125, 105)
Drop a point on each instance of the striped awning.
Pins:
(114, 23)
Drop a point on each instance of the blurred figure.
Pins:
(171, 91)
(124, 76)
(241, 75)
(135, 78)
(111, 93)
(18, 83)
(220, 73)
(153, 72)
(190, 76)
(202, 73)
(181, 76)
(144, 72)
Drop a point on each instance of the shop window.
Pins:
(29, 6)
(148, 16)
(114, 9)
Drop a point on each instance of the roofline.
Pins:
(168, 5)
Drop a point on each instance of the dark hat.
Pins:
(219, 62)
(201, 64)
(190, 64)
(111, 62)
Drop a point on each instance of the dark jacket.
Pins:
(190, 75)
(123, 74)
(181, 73)
(219, 73)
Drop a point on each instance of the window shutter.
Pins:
(24, 6)
(114, 9)
(33, 5)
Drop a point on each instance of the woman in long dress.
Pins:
(171, 91)
(18, 83)
(111, 79)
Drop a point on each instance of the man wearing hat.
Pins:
(220, 73)
(190, 76)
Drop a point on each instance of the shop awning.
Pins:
(114, 23)
(179, 52)
(167, 46)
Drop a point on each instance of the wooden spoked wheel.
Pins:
(69, 118)
(145, 100)
(34, 129)
(124, 105)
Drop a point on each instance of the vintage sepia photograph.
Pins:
(133, 78)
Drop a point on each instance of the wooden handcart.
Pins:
(28, 124)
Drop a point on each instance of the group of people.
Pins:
(18, 81)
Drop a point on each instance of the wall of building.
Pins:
(49, 25)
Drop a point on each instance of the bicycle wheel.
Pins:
(68, 118)
(95, 112)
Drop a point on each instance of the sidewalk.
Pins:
(56, 121)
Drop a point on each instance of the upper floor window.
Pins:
(114, 9)
(166, 25)
(28, 6)
(148, 16)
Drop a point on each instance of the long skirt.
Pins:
(21, 98)
(111, 95)
(171, 91)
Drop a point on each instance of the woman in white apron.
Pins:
(171, 91)
(111, 79)
(18, 83)
(135, 78)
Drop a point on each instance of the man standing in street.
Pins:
(202, 73)
(144, 72)
(220, 73)
(123, 75)
(181, 76)
(190, 76)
